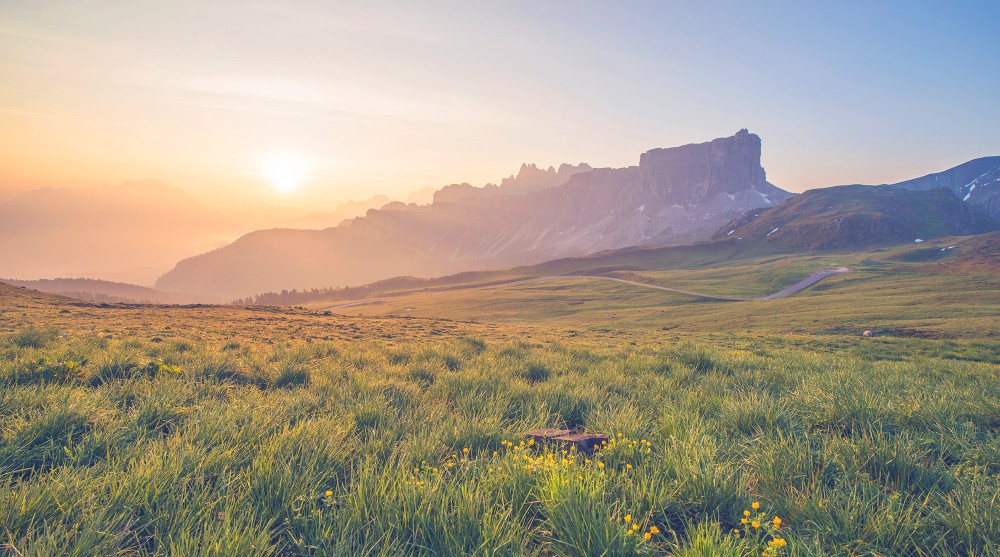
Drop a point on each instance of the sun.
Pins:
(285, 172)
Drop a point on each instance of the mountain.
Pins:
(976, 182)
(860, 217)
(674, 195)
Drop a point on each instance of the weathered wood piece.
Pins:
(584, 442)
(544, 434)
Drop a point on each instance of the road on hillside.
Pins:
(783, 293)
(799, 286)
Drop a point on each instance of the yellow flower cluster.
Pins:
(757, 527)
(634, 527)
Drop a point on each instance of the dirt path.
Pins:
(783, 293)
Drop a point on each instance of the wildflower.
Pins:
(329, 493)
(531, 441)
(465, 450)
(494, 454)
(654, 530)
(646, 536)
(746, 513)
(755, 524)
(628, 518)
(777, 522)
(600, 465)
(743, 521)
(755, 505)
(628, 466)
(586, 461)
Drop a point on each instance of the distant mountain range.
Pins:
(674, 195)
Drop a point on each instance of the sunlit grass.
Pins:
(238, 446)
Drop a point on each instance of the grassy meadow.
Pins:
(144, 430)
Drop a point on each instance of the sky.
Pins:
(312, 103)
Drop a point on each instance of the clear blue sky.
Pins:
(386, 97)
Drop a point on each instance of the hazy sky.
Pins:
(333, 100)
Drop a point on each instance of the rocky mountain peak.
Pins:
(692, 173)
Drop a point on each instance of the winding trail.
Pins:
(795, 288)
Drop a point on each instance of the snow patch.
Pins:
(971, 189)
(917, 241)
(731, 196)
(677, 206)
(952, 247)
(641, 208)
(731, 232)
(771, 232)
(764, 197)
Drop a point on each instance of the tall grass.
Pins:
(370, 448)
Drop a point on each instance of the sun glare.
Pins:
(285, 172)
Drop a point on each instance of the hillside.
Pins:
(102, 291)
(675, 195)
(859, 217)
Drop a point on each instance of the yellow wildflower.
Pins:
(746, 513)
(777, 522)
(646, 536)
(628, 518)
(755, 505)
(654, 530)
(329, 493)
(755, 524)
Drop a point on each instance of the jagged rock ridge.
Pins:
(675, 195)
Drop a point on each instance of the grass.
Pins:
(144, 430)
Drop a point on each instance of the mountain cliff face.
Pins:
(675, 195)
(852, 217)
(976, 182)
